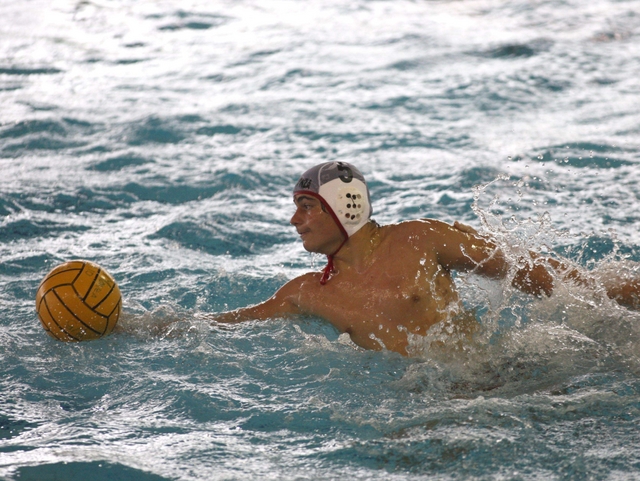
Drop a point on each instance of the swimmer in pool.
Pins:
(383, 282)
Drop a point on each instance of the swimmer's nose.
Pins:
(295, 219)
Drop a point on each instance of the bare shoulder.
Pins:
(456, 246)
(293, 288)
(422, 229)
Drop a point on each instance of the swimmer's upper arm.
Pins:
(465, 250)
(284, 303)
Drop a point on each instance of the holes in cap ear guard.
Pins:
(350, 205)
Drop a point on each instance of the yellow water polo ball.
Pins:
(78, 301)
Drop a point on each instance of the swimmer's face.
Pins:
(317, 229)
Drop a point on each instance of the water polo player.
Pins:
(385, 283)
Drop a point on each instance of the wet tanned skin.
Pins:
(392, 280)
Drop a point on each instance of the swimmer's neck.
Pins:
(358, 251)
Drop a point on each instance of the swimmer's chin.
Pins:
(311, 249)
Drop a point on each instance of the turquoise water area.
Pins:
(162, 139)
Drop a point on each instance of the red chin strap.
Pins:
(328, 269)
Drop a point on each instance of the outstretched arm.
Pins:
(463, 249)
(282, 304)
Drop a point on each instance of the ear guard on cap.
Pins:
(349, 203)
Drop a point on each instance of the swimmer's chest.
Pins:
(395, 292)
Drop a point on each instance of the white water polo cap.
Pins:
(342, 189)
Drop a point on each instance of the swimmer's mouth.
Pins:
(303, 233)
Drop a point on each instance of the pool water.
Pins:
(162, 141)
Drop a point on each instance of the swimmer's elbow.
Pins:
(625, 292)
(535, 280)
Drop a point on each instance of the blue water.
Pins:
(162, 140)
